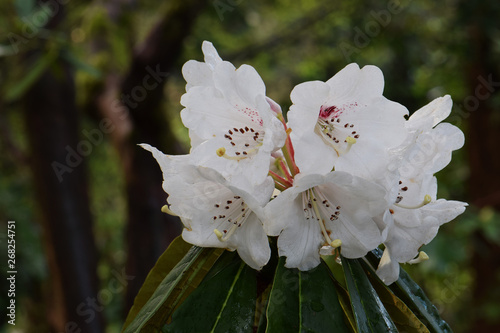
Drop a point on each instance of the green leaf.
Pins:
(185, 276)
(403, 317)
(369, 312)
(260, 312)
(345, 303)
(414, 297)
(283, 307)
(34, 73)
(304, 302)
(336, 269)
(223, 302)
(167, 261)
(320, 307)
(341, 287)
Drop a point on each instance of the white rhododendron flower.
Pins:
(332, 210)
(214, 213)
(345, 175)
(345, 122)
(231, 122)
(416, 215)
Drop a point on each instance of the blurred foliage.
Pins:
(421, 48)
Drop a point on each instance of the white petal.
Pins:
(299, 241)
(368, 81)
(312, 155)
(431, 114)
(212, 58)
(448, 138)
(197, 74)
(360, 201)
(307, 98)
(281, 210)
(388, 268)
(444, 210)
(407, 236)
(253, 245)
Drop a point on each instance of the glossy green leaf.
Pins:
(223, 302)
(304, 302)
(369, 312)
(414, 297)
(338, 278)
(320, 306)
(402, 316)
(173, 289)
(167, 261)
(260, 311)
(283, 307)
(336, 269)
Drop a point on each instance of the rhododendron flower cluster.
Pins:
(348, 172)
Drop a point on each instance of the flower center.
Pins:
(243, 142)
(229, 214)
(335, 132)
(316, 207)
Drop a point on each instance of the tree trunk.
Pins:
(52, 129)
(483, 137)
(60, 180)
(148, 230)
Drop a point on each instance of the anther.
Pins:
(218, 234)
(422, 256)
(336, 243)
(221, 151)
(167, 210)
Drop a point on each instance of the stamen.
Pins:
(427, 199)
(320, 220)
(218, 234)
(336, 243)
(350, 141)
(167, 210)
(422, 256)
(221, 151)
(236, 222)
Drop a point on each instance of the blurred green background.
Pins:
(75, 102)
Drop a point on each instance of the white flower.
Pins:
(334, 209)
(430, 142)
(215, 213)
(415, 217)
(345, 123)
(232, 126)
